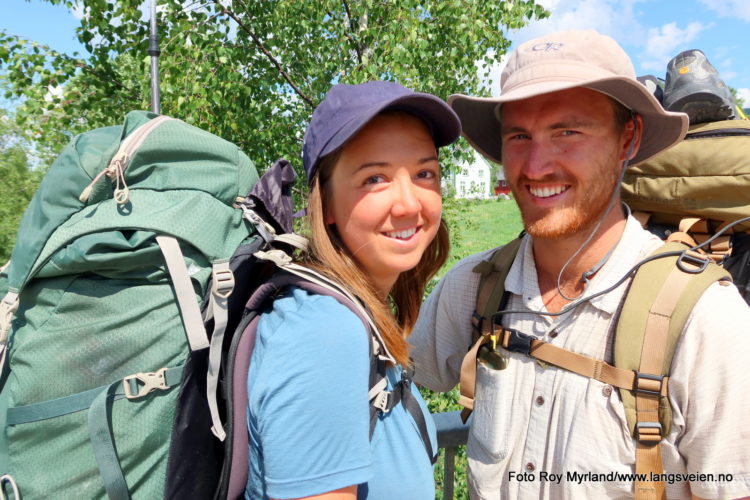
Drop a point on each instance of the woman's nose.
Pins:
(406, 198)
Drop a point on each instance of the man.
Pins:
(570, 117)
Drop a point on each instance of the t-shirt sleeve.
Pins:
(310, 409)
(709, 388)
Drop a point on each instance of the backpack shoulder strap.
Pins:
(491, 288)
(490, 293)
(657, 305)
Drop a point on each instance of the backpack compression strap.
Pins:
(98, 402)
(489, 294)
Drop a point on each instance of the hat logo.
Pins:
(547, 46)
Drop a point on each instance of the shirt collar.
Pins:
(635, 244)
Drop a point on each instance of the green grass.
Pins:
(478, 225)
(475, 225)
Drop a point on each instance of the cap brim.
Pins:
(661, 129)
(440, 118)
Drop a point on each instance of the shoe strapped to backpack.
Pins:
(693, 86)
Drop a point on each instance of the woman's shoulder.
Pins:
(300, 314)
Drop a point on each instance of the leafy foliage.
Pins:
(18, 184)
(251, 71)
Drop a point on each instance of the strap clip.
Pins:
(687, 260)
(265, 230)
(380, 401)
(151, 382)
(223, 283)
(648, 432)
(518, 342)
(645, 383)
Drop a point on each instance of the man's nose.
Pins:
(538, 161)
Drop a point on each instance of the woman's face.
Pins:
(383, 195)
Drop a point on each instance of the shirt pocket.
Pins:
(492, 423)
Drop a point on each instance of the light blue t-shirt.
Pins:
(308, 414)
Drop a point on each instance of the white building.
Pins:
(473, 180)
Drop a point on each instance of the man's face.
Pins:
(562, 155)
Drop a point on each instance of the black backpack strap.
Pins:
(385, 401)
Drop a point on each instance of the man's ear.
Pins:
(633, 131)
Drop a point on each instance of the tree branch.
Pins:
(107, 78)
(357, 48)
(266, 52)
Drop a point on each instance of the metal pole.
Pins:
(153, 51)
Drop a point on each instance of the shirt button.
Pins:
(539, 400)
(530, 467)
(553, 334)
(607, 391)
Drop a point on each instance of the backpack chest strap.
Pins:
(638, 382)
(646, 383)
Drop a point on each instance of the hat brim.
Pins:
(443, 122)
(661, 129)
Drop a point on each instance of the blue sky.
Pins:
(651, 31)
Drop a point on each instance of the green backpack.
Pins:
(95, 329)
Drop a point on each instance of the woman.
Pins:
(374, 212)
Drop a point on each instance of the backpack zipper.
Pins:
(115, 170)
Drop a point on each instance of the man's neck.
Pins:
(550, 255)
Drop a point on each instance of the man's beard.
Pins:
(582, 215)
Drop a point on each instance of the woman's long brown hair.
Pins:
(327, 254)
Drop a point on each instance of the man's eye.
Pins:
(569, 132)
(517, 137)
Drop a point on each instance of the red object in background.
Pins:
(502, 188)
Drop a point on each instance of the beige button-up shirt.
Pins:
(544, 432)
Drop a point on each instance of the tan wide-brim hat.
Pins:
(562, 61)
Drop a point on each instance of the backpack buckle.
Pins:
(223, 283)
(645, 383)
(648, 432)
(151, 382)
(381, 401)
(519, 342)
(692, 262)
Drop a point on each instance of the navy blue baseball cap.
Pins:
(346, 109)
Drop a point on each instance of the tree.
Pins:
(18, 184)
(252, 71)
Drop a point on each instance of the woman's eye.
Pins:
(426, 174)
(375, 179)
